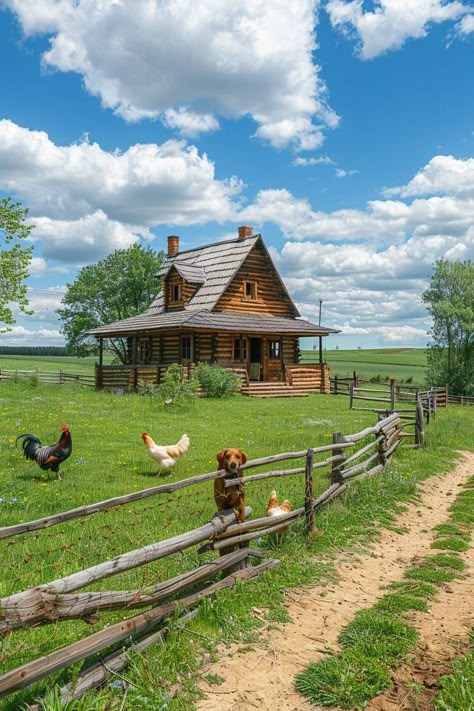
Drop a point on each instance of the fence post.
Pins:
(351, 394)
(308, 493)
(355, 378)
(336, 474)
(335, 385)
(392, 394)
(419, 426)
(446, 395)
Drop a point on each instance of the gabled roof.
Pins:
(193, 275)
(218, 263)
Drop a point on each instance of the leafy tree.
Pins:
(450, 300)
(119, 286)
(14, 259)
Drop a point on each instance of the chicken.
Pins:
(166, 456)
(276, 509)
(49, 457)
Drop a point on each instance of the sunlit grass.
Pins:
(109, 459)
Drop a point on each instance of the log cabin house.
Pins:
(223, 304)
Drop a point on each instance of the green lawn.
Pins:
(109, 459)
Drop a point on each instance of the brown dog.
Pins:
(230, 459)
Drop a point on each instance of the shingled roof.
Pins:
(218, 262)
(212, 267)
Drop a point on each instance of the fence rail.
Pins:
(48, 377)
(346, 458)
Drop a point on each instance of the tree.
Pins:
(121, 285)
(14, 259)
(450, 299)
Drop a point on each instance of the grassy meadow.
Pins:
(399, 363)
(110, 459)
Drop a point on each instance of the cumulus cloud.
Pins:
(466, 26)
(86, 202)
(19, 336)
(443, 174)
(371, 266)
(185, 62)
(392, 22)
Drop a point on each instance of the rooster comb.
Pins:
(64, 428)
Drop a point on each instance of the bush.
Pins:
(176, 389)
(216, 381)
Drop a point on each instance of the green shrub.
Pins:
(216, 381)
(175, 388)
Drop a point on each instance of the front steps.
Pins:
(267, 390)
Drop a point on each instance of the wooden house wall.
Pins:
(187, 291)
(271, 296)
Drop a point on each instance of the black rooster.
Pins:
(49, 456)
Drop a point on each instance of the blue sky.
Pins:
(341, 130)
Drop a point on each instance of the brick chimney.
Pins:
(173, 245)
(245, 232)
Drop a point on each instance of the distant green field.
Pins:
(48, 363)
(399, 363)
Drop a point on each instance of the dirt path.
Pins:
(264, 677)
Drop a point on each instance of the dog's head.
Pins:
(231, 459)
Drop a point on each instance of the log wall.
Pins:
(271, 297)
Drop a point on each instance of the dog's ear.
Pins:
(220, 458)
(244, 457)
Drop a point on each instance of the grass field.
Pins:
(109, 459)
(398, 363)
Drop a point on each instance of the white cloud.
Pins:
(443, 174)
(392, 22)
(19, 335)
(320, 160)
(340, 173)
(182, 62)
(466, 26)
(38, 267)
(86, 202)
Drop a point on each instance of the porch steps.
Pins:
(267, 390)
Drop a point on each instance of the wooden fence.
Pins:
(346, 458)
(48, 377)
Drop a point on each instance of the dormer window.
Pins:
(175, 292)
(250, 290)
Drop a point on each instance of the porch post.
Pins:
(320, 350)
(101, 352)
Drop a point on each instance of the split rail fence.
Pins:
(48, 377)
(347, 458)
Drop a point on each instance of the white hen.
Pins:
(166, 456)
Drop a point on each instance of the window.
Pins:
(250, 290)
(175, 292)
(240, 348)
(186, 348)
(274, 349)
(144, 350)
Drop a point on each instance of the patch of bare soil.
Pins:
(263, 678)
(443, 634)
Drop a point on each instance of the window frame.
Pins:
(184, 339)
(179, 291)
(239, 349)
(274, 349)
(252, 296)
